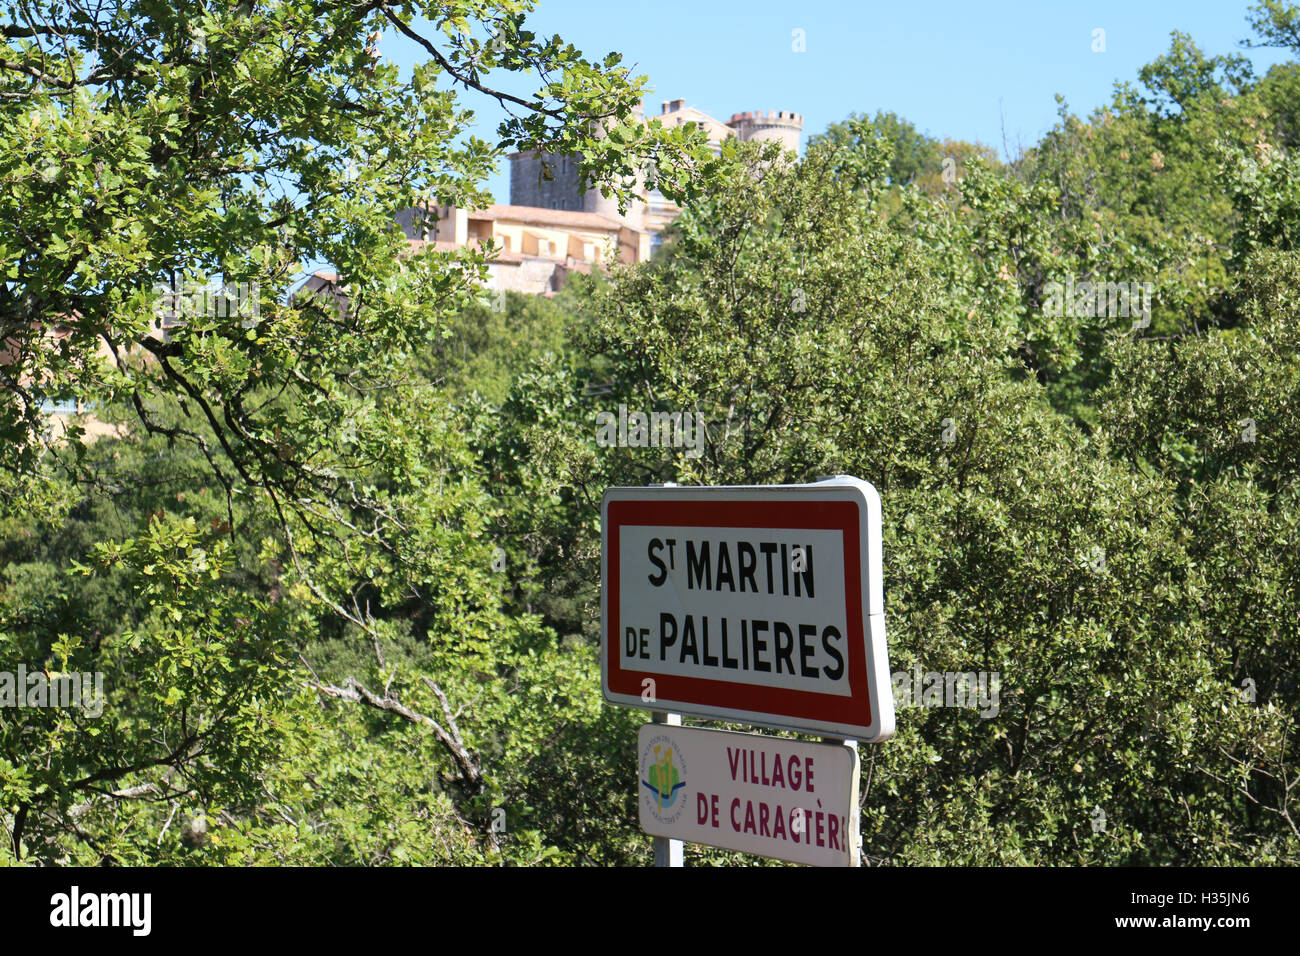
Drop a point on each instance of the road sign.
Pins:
(755, 604)
(785, 799)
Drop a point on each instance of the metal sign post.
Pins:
(668, 852)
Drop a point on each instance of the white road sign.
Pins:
(757, 604)
(785, 799)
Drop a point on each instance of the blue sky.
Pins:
(967, 70)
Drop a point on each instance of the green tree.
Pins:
(182, 143)
(1089, 567)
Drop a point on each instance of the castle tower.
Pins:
(551, 181)
(529, 186)
(593, 201)
(769, 124)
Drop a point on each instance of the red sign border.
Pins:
(786, 706)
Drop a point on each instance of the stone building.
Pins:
(551, 181)
(773, 124)
(553, 227)
(539, 246)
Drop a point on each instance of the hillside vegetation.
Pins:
(340, 570)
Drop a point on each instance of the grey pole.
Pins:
(668, 852)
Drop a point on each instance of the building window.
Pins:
(552, 203)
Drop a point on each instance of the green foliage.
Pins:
(338, 561)
(326, 530)
(1103, 530)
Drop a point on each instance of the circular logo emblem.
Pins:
(663, 778)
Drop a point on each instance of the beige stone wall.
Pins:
(677, 113)
(534, 276)
(451, 225)
(553, 242)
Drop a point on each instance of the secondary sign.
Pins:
(784, 799)
(755, 604)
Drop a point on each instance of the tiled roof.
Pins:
(549, 217)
